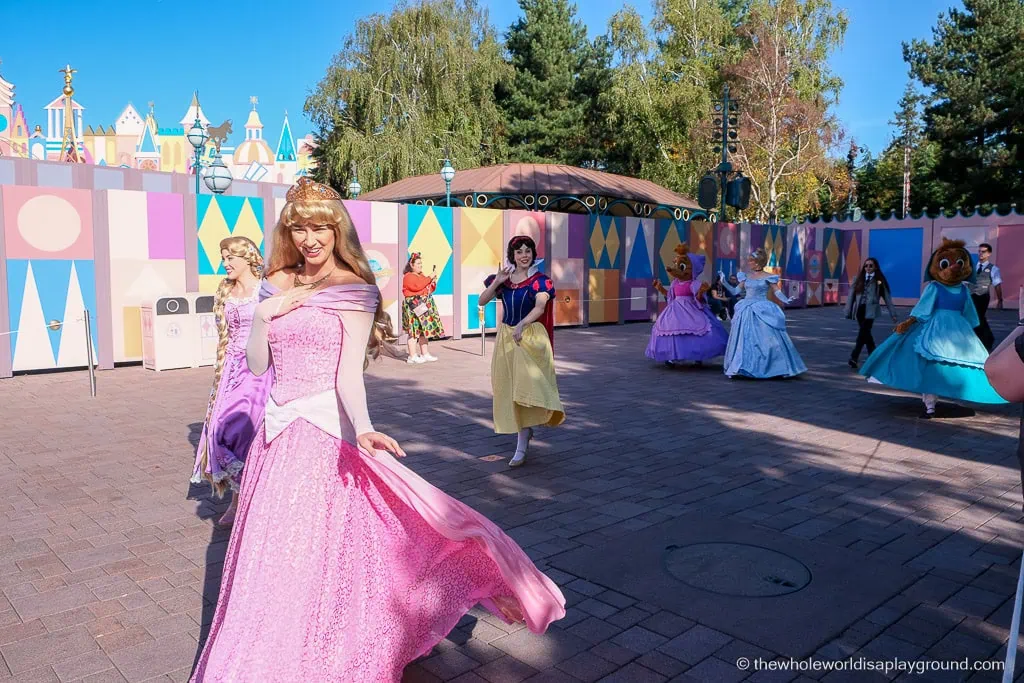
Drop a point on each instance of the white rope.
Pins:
(1011, 644)
(77, 320)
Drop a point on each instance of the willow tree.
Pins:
(406, 87)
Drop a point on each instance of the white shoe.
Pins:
(427, 358)
(415, 360)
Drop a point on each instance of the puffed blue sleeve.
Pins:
(489, 279)
(926, 304)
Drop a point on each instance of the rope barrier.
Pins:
(53, 325)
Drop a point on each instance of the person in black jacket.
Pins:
(869, 290)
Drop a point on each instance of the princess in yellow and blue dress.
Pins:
(523, 365)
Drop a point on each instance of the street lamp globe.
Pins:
(218, 177)
(197, 137)
(447, 172)
(354, 188)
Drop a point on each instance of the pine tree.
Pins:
(974, 69)
(546, 103)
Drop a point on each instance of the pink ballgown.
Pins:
(345, 566)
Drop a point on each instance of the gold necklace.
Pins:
(312, 285)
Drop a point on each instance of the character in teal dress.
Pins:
(935, 352)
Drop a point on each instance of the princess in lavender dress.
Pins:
(238, 396)
(343, 564)
(686, 329)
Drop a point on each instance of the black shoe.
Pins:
(852, 363)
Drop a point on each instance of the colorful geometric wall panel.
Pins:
(558, 229)
(604, 241)
(568, 278)
(41, 290)
(795, 268)
(431, 235)
(133, 283)
(1007, 249)
(532, 223)
(482, 249)
(603, 290)
(815, 280)
(220, 217)
(668, 234)
(385, 260)
(702, 241)
(579, 233)
(359, 212)
(639, 272)
(899, 256)
(47, 223)
(853, 248)
(773, 241)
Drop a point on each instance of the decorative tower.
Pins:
(286, 161)
(69, 145)
(6, 117)
(147, 152)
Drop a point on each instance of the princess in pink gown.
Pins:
(343, 564)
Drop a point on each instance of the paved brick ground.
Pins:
(109, 563)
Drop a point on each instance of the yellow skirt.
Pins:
(523, 380)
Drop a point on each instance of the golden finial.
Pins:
(67, 71)
(254, 101)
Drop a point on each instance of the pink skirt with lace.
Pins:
(346, 567)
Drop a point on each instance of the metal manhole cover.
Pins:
(736, 569)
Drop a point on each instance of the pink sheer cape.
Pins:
(541, 602)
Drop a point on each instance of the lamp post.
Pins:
(198, 138)
(218, 177)
(447, 174)
(354, 188)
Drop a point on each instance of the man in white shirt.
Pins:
(987, 276)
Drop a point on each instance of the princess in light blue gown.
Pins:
(759, 346)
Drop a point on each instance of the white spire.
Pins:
(194, 110)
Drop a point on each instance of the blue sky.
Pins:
(232, 49)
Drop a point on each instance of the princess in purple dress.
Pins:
(686, 329)
(238, 396)
(343, 564)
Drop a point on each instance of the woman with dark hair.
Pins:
(420, 318)
(869, 290)
(523, 366)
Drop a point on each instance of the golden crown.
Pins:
(307, 190)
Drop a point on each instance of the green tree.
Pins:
(543, 103)
(787, 92)
(406, 86)
(974, 70)
(666, 76)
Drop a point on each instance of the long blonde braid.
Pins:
(237, 246)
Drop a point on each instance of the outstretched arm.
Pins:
(779, 295)
(735, 291)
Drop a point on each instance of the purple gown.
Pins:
(686, 329)
(241, 400)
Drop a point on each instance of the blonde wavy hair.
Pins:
(247, 249)
(347, 250)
